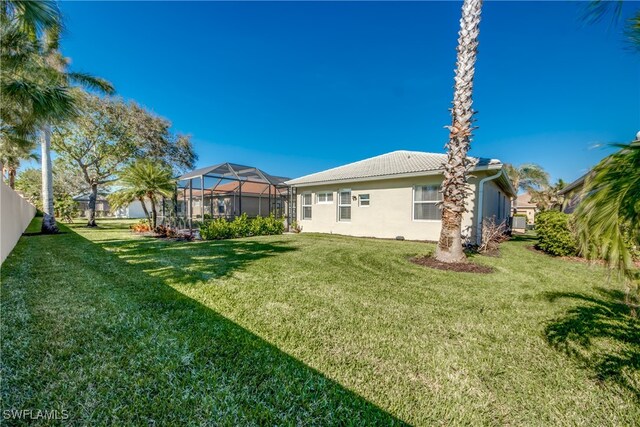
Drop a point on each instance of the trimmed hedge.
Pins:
(555, 234)
(241, 226)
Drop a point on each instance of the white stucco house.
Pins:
(397, 195)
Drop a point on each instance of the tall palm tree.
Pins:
(145, 179)
(528, 177)
(454, 185)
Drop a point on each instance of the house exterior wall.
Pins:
(497, 204)
(390, 213)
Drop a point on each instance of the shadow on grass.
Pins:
(193, 262)
(170, 359)
(529, 238)
(601, 335)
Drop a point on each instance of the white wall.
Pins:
(15, 215)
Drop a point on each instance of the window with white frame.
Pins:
(364, 200)
(325, 197)
(220, 206)
(306, 205)
(344, 205)
(426, 199)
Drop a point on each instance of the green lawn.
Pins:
(311, 330)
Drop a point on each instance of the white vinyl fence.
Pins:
(15, 215)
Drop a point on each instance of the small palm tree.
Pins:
(12, 155)
(145, 180)
(528, 177)
(454, 185)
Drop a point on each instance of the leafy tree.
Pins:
(65, 182)
(454, 185)
(109, 135)
(145, 179)
(528, 177)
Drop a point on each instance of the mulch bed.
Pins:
(464, 267)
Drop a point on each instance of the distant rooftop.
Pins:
(394, 164)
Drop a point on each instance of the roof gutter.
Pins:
(481, 203)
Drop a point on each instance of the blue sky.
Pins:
(295, 88)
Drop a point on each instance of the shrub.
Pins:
(274, 225)
(258, 226)
(241, 226)
(493, 233)
(215, 230)
(555, 233)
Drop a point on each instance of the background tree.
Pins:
(145, 180)
(12, 155)
(110, 134)
(528, 177)
(547, 198)
(66, 182)
(454, 185)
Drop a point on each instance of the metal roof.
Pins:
(236, 172)
(390, 165)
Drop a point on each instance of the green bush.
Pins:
(241, 226)
(555, 233)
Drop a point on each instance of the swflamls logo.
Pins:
(35, 414)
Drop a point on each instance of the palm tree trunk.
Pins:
(48, 221)
(12, 177)
(454, 185)
(144, 208)
(92, 205)
(154, 212)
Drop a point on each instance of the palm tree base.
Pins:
(49, 225)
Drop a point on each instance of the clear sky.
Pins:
(295, 88)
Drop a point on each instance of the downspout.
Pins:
(481, 203)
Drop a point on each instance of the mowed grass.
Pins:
(121, 329)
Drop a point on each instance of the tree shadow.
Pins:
(601, 335)
(191, 263)
(170, 358)
(529, 238)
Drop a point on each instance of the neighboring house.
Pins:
(102, 205)
(103, 209)
(397, 195)
(524, 205)
(133, 210)
(572, 194)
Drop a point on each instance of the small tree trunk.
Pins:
(48, 221)
(154, 212)
(12, 177)
(92, 205)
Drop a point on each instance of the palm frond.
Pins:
(91, 82)
(608, 217)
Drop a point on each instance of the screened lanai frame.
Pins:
(215, 183)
